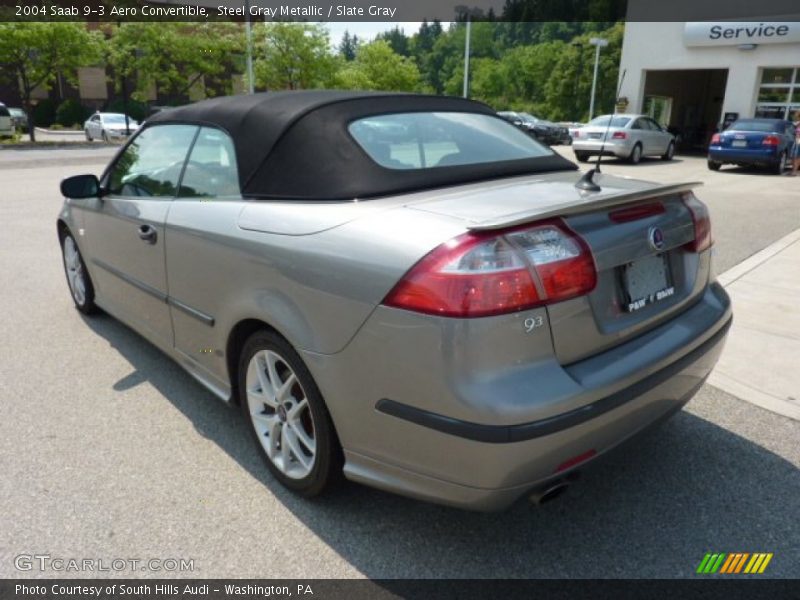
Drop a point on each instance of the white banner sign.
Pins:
(732, 33)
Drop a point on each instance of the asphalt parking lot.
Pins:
(109, 450)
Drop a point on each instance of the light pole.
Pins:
(249, 30)
(466, 61)
(597, 43)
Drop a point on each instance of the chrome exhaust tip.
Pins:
(548, 492)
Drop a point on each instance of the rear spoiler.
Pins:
(590, 201)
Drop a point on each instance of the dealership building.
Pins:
(696, 76)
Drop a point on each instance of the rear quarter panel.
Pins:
(316, 290)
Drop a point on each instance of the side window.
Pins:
(4, 112)
(653, 125)
(151, 165)
(211, 171)
(96, 118)
(638, 124)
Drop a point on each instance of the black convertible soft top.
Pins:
(296, 145)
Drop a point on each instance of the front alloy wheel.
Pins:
(287, 415)
(80, 285)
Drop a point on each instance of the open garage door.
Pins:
(688, 102)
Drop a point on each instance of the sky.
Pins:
(367, 30)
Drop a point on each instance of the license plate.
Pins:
(739, 143)
(646, 281)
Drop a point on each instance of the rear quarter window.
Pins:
(428, 140)
(4, 112)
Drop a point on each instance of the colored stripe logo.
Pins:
(734, 563)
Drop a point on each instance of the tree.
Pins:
(294, 56)
(34, 53)
(348, 47)
(173, 56)
(397, 39)
(378, 67)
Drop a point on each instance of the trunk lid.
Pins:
(742, 139)
(645, 273)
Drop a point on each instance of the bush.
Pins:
(44, 113)
(136, 110)
(71, 112)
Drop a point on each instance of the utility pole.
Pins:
(466, 61)
(249, 30)
(597, 43)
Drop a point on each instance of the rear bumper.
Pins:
(618, 148)
(482, 440)
(743, 156)
(504, 434)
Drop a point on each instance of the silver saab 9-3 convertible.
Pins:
(403, 289)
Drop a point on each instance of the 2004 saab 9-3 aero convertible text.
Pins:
(406, 289)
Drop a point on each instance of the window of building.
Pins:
(779, 93)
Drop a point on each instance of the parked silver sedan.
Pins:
(406, 290)
(626, 136)
(109, 126)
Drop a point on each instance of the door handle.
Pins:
(148, 233)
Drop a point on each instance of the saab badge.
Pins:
(655, 237)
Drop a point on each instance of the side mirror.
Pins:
(80, 186)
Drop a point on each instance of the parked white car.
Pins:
(626, 136)
(6, 125)
(108, 126)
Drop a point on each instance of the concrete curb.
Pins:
(757, 259)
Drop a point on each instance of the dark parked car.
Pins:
(753, 142)
(19, 119)
(406, 290)
(541, 129)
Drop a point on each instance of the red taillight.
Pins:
(770, 140)
(702, 223)
(619, 135)
(490, 273)
(715, 139)
(634, 213)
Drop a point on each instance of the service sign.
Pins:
(735, 33)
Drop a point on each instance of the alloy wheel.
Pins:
(75, 274)
(281, 414)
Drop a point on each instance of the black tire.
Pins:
(89, 138)
(714, 165)
(85, 304)
(670, 152)
(783, 163)
(328, 459)
(581, 156)
(635, 155)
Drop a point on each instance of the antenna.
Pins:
(586, 182)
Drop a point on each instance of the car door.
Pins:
(125, 229)
(639, 133)
(94, 126)
(203, 267)
(660, 139)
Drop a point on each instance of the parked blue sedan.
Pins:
(753, 142)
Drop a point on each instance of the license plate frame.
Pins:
(739, 144)
(646, 281)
